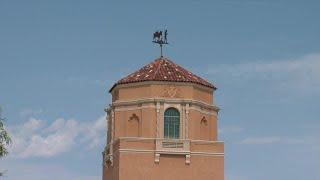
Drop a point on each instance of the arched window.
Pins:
(171, 123)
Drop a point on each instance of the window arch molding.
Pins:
(171, 123)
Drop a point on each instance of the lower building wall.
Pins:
(141, 166)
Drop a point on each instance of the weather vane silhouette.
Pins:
(160, 37)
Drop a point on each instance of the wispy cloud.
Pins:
(100, 82)
(37, 138)
(43, 171)
(260, 140)
(296, 73)
(85, 81)
(230, 129)
(30, 112)
(278, 140)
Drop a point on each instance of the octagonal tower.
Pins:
(162, 125)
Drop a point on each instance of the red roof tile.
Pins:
(163, 69)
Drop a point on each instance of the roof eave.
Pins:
(116, 84)
(110, 90)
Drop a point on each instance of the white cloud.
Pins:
(93, 134)
(297, 73)
(37, 138)
(33, 124)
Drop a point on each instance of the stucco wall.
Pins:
(140, 166)
(159, 89)
(137, 128)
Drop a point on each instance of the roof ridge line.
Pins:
(158, 68)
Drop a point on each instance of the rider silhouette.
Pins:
(165, 36)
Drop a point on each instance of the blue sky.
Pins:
(59, 58)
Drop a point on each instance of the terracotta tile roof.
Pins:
(163, 69)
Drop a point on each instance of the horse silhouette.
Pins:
(157, 36)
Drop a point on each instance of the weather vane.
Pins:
(160, 37)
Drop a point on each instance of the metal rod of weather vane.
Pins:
(161, 49)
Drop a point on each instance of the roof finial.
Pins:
(160, 38)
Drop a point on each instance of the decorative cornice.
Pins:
(132, 139)
(154, 151)
(162, 100)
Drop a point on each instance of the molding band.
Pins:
(173, 101)
(196, 153)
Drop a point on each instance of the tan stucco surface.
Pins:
(171, 167)
(135, 149)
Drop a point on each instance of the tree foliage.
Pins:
(5, 139)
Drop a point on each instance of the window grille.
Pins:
(171, 123)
